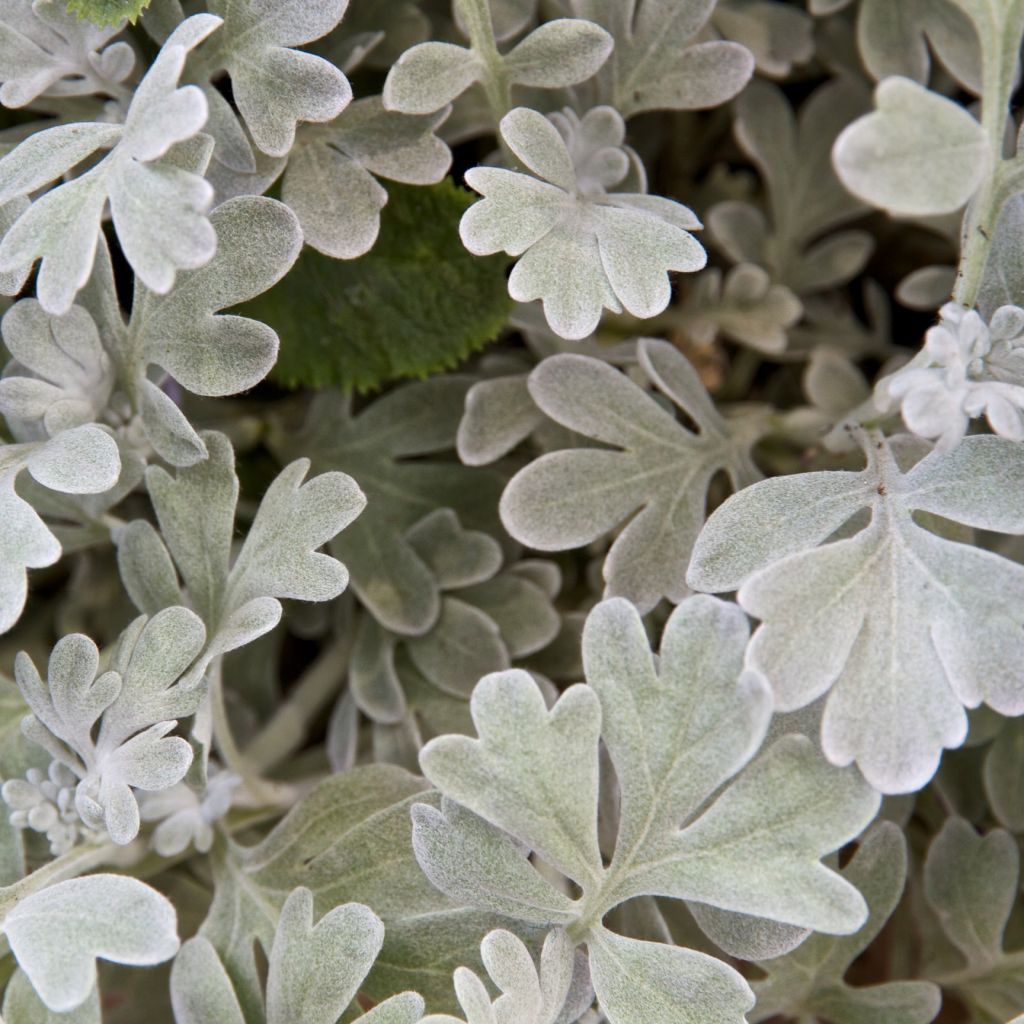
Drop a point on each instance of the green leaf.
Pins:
(108, 12)
(417, 303)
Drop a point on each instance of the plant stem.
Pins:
(76, 861)
(1000, 46)
(234, 760)
(285, 732)
(476, 16)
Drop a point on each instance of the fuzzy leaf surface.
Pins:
(886, 622)
(656, 476)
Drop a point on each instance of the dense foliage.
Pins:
(467, 583)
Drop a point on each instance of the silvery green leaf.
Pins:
(777, 34)
(617, 256)
(374, 35)
(350, 835)
(151, 657)
(522, 773)
(928, 288)
(666, 776)
(158, 209)
(83, 460)
(279, 557)
(61, 374)
(526, 995)
(475, 863)
(638, 982)
(559, 53)
(61, 228)
(456, 556)
(196, 512)
(57, 934)
(201, 990)
(658, 61)
(427, 77)
(167, 427)
(971, 883)
(258, 239)
(462, 645)
(21, 1003)
(531, 772)
(1004, 271)
(1004, 776)
(745, 936)
(374, 684)
(810, 979)
(25, 543)
(383, 448)
(805, 199)
(232, 148)
(675, 733)
(891, 715)
(47, 51)
(316, 969)
(894, 39)
(239, 602)
(746, 306)
(661, 469)
(136, 704)
(274, 85)
(330, 180)
(45, 155)
(146, 568)
(499, 415)
(522, 611)
(789, 790)
(917, 154)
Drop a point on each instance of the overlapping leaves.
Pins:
(238, 598)
(159, 208)
(675, 733)
(662, 471)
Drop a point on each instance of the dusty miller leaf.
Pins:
(917, 154)
(158, 208)
(278, 559)
(274, 85)
(57, 934)
(661, 471)
(84, 460)
(136, 703)
(47, 51)
(350, 835)
(887, 622)
(675, 733)
(809, 980)
(331, 178)
(806, 201)
(384, 447)
(657, 63)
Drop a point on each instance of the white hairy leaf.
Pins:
(57, 934)
(917, 154)
(886, 622)
(658, 469)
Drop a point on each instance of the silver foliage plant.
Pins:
(662, 663)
